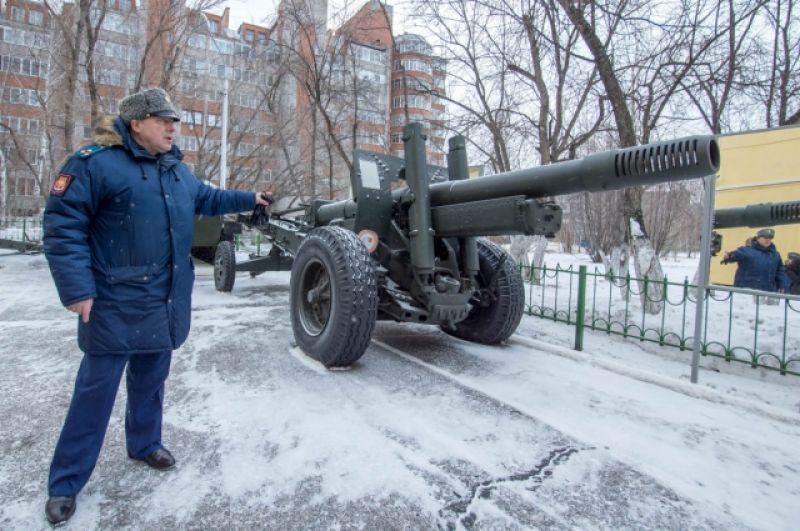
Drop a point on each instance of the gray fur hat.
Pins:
(766, 233)
(147, 103)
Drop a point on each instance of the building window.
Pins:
(36, 18)
(416, 101)
(262, 39)
(30, 39)
(187, 143)
(18, 14)
(25, 67)
(414, 45)
(116, 22)
(192, 117)
(20, 96)
(197, 41)
(413, 64)
(250, 35)
(214, 26)
(373, 117)
(213, 120)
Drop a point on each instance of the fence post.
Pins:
(581, 310)
(24, 230)
(258, 243)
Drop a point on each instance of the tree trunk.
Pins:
(539, 247)
(632, 205)
(647, 270)
(3, 185)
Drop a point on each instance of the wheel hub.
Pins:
(315, 308)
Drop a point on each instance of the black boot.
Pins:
(59, 509)
(161, 459)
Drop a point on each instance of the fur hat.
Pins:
(147, 103)
(766, 233)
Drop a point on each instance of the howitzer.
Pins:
(753, 216)
(413, 254)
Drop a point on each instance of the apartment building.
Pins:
(241, 66)
(418, 81)
(381, 82)
(373, 79)
(24, 69)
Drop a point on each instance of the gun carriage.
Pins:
(414, 253)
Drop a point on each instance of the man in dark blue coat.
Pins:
(759, 264)
(118, 233)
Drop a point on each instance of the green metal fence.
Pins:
(739, 325)
(21, 233)
(250, 240)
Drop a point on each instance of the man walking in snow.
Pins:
(118, 232)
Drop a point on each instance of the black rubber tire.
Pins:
(224, 266)
(494, 323)
(333, 296)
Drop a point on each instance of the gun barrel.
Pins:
(676, 160)
(760, 215)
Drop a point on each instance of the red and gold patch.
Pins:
(61, 184)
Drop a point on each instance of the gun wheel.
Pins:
(333, 296)
(224, 266)
(494, 322)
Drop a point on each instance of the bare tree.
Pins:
(772, 73)
(639, 83)
(71, 25)
(713, 80)
(25, 138)
(93, 20)
(171, 24)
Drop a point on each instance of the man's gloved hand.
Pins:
(260, 215)
(264, 198)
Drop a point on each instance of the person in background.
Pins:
(759, 264)
(118, 230)
(793, 272)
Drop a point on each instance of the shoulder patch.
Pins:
(88, 151)
(61, 184)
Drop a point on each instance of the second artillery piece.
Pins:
(412, 253)
(753, 216)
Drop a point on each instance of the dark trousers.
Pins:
(90, 410)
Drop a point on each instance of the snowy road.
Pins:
(425, 432)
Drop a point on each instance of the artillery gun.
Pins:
(753, 216)
(412, 253)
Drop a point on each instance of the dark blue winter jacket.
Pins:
(759, 268)
(118, 228)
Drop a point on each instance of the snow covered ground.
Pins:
(425, 432)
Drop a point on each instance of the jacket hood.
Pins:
(112, 131)
(105, 133)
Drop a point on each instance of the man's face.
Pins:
(155, 134)
(763, 241)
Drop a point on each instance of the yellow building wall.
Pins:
(757, 167)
